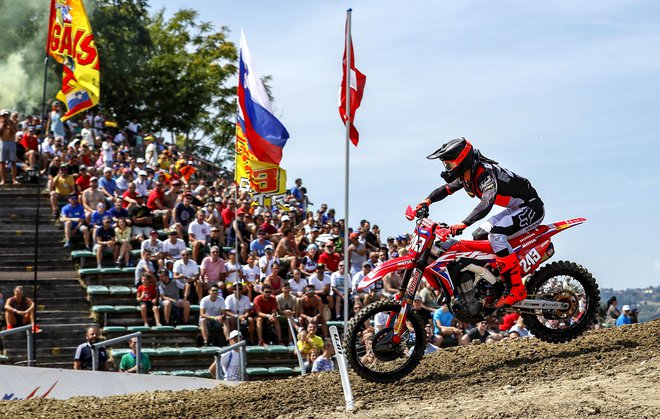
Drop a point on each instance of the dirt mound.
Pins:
(606, 373)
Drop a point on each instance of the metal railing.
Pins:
(111, 342)
(28, 329)
(241, 355)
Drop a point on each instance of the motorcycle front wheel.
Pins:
(566, 282)
(373, 350)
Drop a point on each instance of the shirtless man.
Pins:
(391, 283)
(287, 251)
(91, 197)
(310, 308)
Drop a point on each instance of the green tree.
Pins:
(186, 82)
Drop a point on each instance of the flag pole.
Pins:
(347, 86)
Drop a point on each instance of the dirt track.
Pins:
(606, 373)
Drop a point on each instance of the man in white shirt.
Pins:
(372, 292)
(155, 249)
(321, 282)
(239, 308)
(230, 362)
(212, 314)
(198, 231)
(173, 246)
(266, 262)
(187, 271)
(298, 283)
(339, 282)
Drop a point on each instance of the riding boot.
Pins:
(515, 290)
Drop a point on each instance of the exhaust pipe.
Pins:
(480, 272)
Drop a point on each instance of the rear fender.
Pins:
(403, 262)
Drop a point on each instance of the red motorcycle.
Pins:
(386, 339)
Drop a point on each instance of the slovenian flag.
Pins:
(265, 134)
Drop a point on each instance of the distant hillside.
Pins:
(647, 300)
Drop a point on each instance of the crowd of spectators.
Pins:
(202, 240)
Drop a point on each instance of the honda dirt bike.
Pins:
(387, 339)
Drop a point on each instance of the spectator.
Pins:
(123, 237)
(19, 311)
(91, 197)
(309, 260)
(329, 257)
(239, 311)
(444, 332)
(287, 251)
(634, 312)
(143, 265)
(141, 220)
(324, 362)
(151, 152)
(108, 185)
(230, 361)
(212, 314)
(142, 183)
(372, 239)
(147, 295)
(82, 360)
(233, 271)
(173, 246)
(275, 280)
(310, 310)
(308, 341)
(156, 204)
(369, 294)
(520, 329)
(128, 361)
(155, 249)
(96, 218)
(184, 213)
(198, 231)
(423, 313)
(339, 283)
(251, 275)
(258, 245)
(104, 241)
(265, 310)
(478, 334)
(357, 252)
(124, 180)
(212, 272)
(187, 271)
(62, 185)
(228, 213)
(266, 262)
(624, 317)
(239, 233)
(321, 283)
(613, 312)
(8, 130)
(287, 304)
(118, 211)
(170, 299)
(298, 283)
(73, 217)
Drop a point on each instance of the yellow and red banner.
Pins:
(71, 43)
(257, 176)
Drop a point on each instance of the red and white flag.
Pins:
(357, 81)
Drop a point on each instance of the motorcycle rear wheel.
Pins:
(568, 282)
(375, 365)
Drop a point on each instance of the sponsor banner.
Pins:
(21, 383)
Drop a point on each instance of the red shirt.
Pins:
(83, 182)
(130, 195)
(227, 216)
(30, 142)
(153, 196)
(331, 261)
(263, 306)
(150, 292)
(268, 228)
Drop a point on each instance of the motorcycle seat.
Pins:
(477, 245)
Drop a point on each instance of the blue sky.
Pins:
(563, 93)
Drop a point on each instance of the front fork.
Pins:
(406, 297)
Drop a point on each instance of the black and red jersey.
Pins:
(493, 185)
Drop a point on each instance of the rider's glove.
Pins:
(424, 204)
(457, 229)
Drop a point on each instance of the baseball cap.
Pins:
(240, 211)
(83, 167)
(234, 334)
(172, 233)
(93, 178)
(153, 232)
(142, 173)
(285, 218)
(365, 263)
(73, 196)
(4, 112)
(625, 308)
(312, 246)
(140, 160)
(418, 298)
(354, 236)
(269, 247)
(315, 229)
(107, 170)
(232, 252)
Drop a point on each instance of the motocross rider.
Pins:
(467, 168)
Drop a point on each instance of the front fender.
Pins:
(403, 262)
